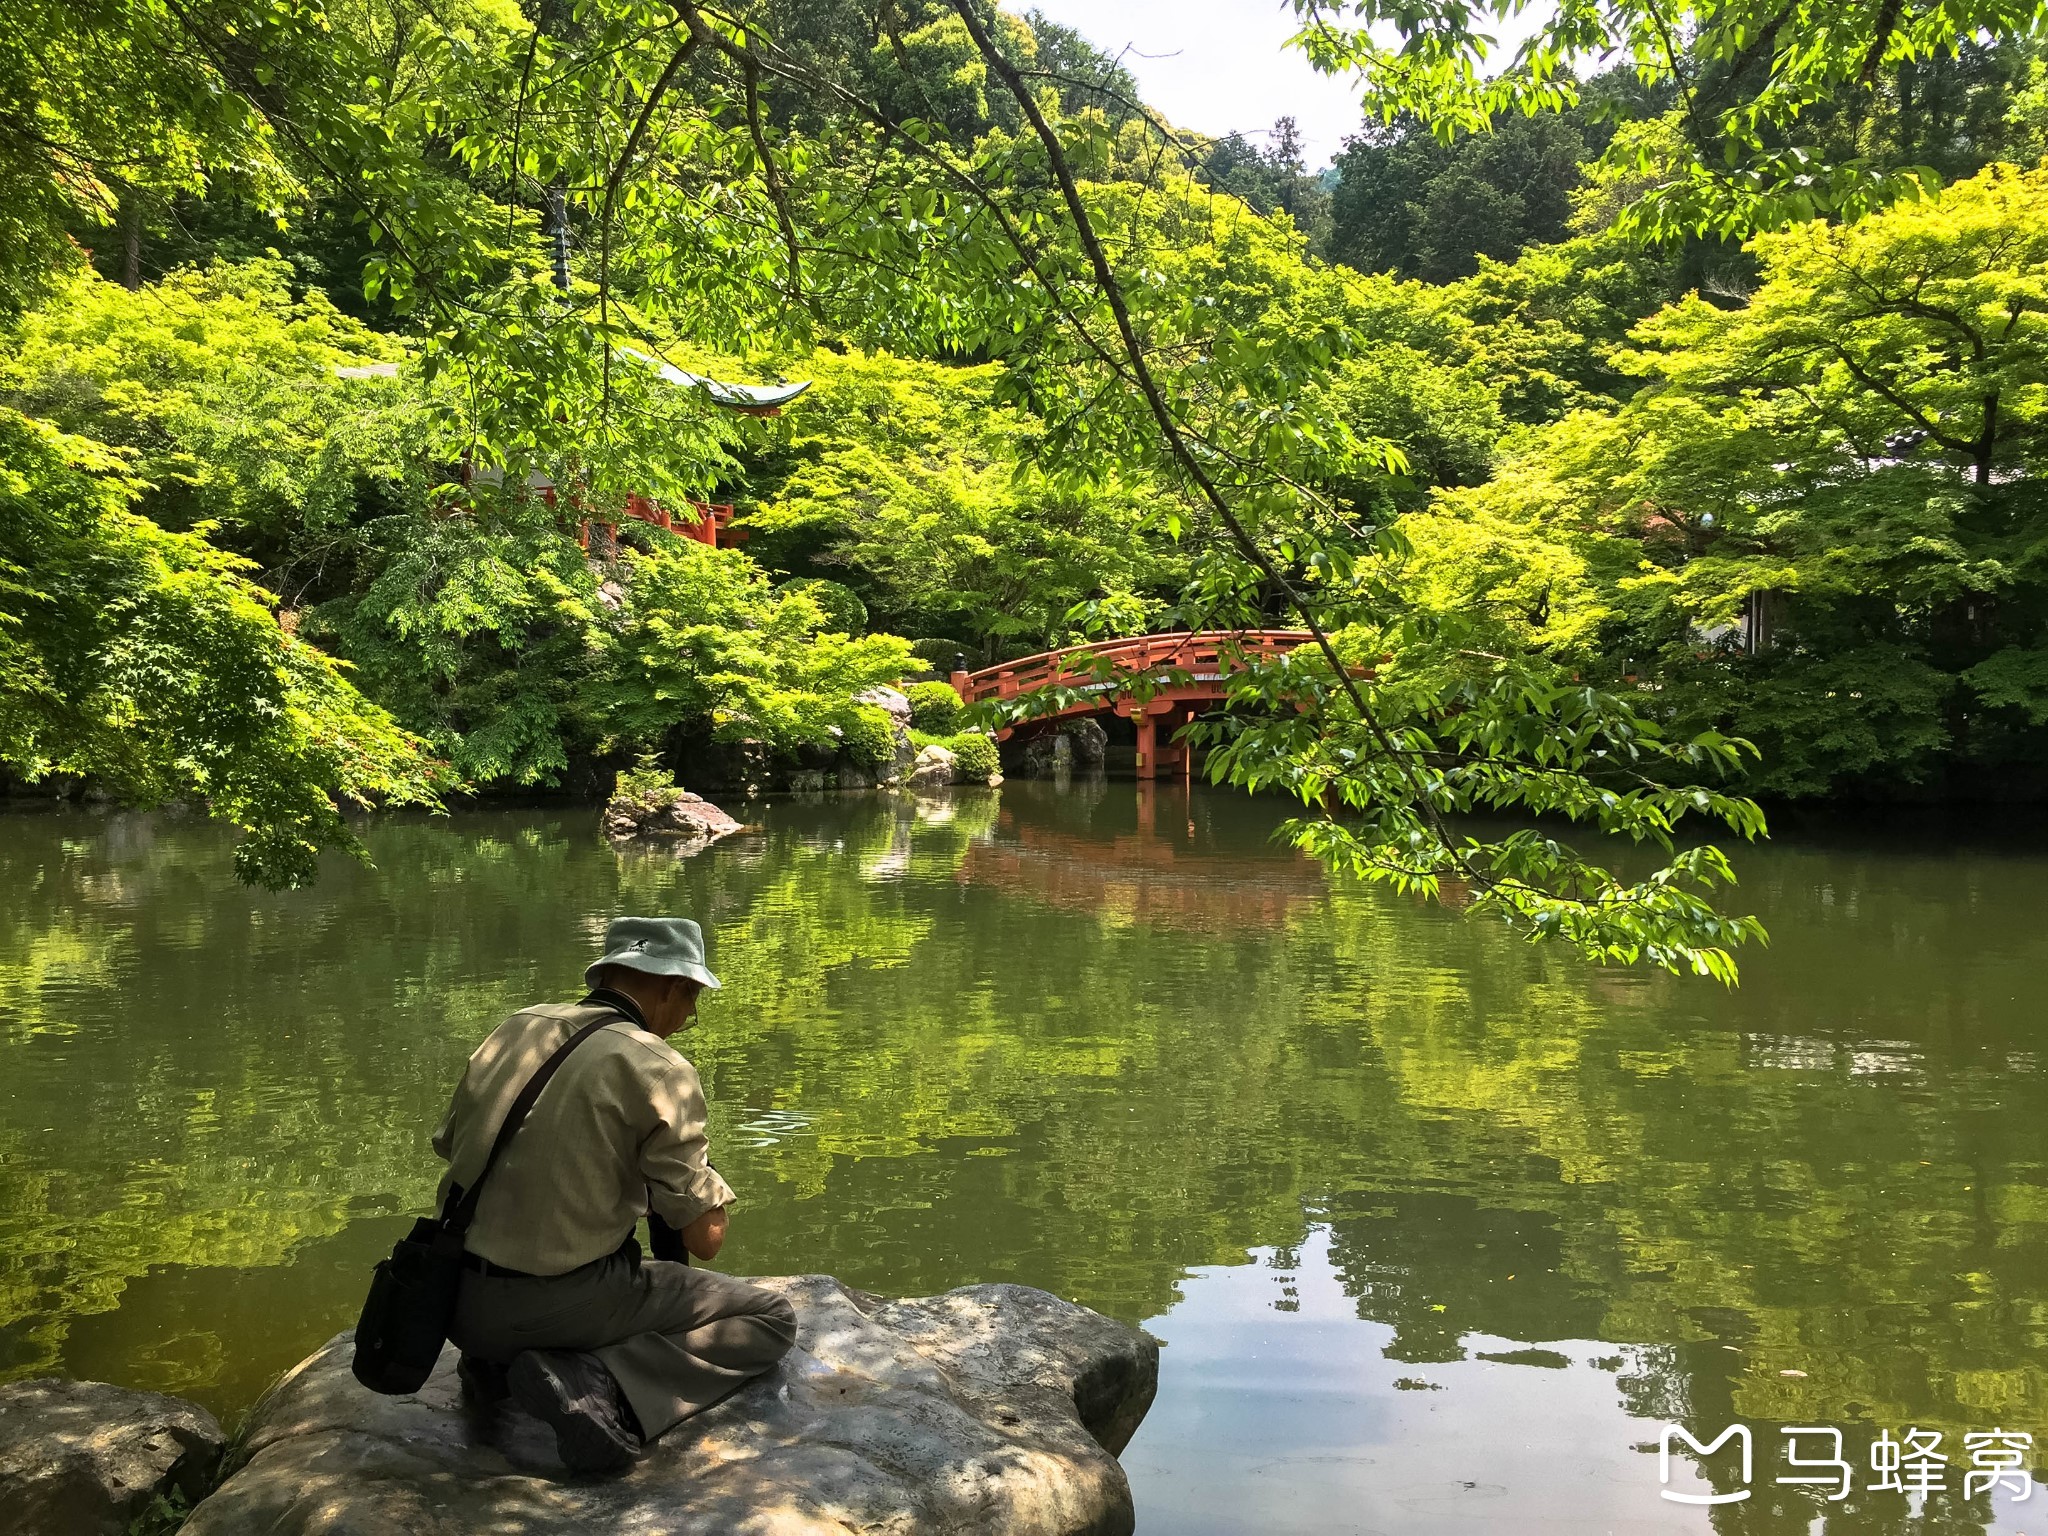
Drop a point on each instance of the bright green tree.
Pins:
(1815, 523)
(148, 661)
(269, 414)
(1747, 81)
(907, 481)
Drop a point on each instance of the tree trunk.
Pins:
(131, 241)
(1987, 440)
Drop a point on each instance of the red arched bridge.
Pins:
(1203, 660)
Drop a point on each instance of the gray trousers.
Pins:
(677, 1339)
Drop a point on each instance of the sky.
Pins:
(1217, 66)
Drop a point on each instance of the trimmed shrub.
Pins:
(870, 736)
(934, 707)
(974, 756)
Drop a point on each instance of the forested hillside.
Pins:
(1600, 453)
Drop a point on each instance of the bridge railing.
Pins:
(1207, 655)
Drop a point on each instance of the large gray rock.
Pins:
(990, 1409)
(892, 702)
(1075, 744)
(81, 1458)
(1091, 741)
(933, 768)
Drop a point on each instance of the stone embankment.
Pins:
(992, 1408)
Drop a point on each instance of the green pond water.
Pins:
(1440, 1230)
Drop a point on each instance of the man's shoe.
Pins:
(580, 1400)
(483, 1381)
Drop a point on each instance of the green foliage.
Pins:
(905, 481)
(974, 755)
(225, 386)
(1214, 431)
(496, 639)
(705, 638)
(647, 781)
(1816, 524)
(108, 109)
(148, 661)
(934, 707)
(1274, 178)
(1407, 204)
(840, 604)
(1743, 83)
(868, 735)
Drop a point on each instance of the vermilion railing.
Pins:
(1208, 656)
(707, 527)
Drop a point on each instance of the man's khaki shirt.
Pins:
(619, 1126)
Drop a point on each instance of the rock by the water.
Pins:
(993, 1410)
(934, 766)
(675, 815)
(1081, 744)
(81, 1458)
(1049, 754)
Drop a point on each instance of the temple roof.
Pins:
(751, 398)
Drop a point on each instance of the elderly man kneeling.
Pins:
(557, 1307)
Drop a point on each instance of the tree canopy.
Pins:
(1815, 523)
(1203, 424)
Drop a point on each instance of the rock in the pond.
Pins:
(1077, 744)
(993, 1410)
(81, 1458)
(671, 815)
(933, 767)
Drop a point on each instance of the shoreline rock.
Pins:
(1076, 744)
(992, 1408)
(83, 1458)
(934, 767)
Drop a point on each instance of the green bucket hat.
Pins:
(660, 946)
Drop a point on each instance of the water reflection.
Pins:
(1109, 1046)
(1290, 1413)
(1162, 871)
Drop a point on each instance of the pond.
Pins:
(1440, 1230)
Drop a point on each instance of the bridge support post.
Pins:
(1148, 745)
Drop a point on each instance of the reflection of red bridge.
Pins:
(1145, 876)
(1203, 661)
